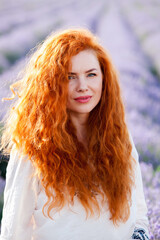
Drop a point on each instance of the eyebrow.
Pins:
(90, 70)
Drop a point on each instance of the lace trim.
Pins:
(140, 233)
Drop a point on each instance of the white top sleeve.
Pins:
(142, 219)
(19, 199)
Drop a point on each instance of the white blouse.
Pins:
(24, 199)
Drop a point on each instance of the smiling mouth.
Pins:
(83, 99)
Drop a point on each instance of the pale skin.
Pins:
(85, 83)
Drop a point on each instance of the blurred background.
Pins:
(130, 32)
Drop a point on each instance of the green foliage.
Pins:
(3, 166)
(12, 57)
(154, 71)
(158, 169)
(1, 206)
(3, 159)
(1, 69)
(149, 154)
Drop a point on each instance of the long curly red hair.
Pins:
(39, 125)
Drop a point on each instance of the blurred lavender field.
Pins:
(130, 31)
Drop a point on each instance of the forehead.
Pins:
(84, 60)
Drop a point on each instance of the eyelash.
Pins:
(71, 77)
(92, 75)
(89, 75)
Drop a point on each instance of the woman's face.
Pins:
(85, 82)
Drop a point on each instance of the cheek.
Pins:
(70, 90)
(99, 88)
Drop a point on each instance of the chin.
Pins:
(84, 111)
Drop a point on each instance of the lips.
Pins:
(83, 99)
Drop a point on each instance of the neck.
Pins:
(80, 123)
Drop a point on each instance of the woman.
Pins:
(73, 171)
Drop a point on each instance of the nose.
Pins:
(82, 84)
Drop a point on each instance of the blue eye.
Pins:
(70, 77)
(91, 75)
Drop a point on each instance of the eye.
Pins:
(91, 75)
(70, 77)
